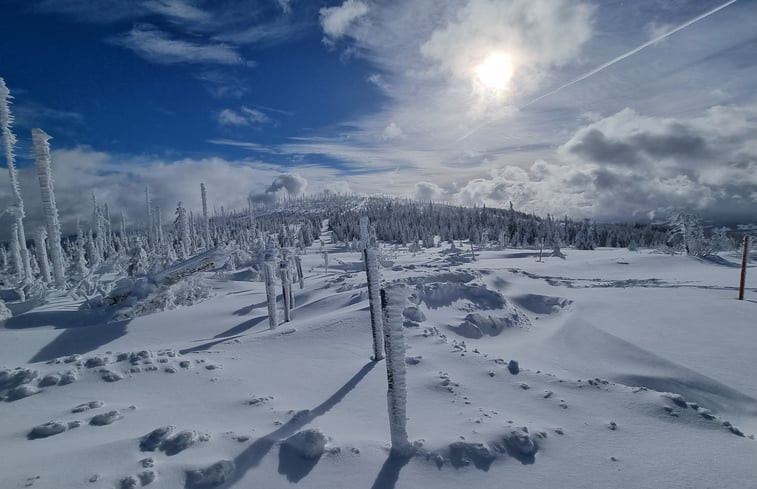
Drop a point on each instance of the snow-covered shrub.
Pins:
(5, 313)
(141, 296)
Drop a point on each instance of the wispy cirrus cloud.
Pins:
(157, 46)
(244, 116)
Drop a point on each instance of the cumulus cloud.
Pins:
(427, 191)
(630, 166)
(284, 185)
(245, 116)
(157, 46)
(335, 21)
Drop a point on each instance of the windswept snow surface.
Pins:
(634, 370)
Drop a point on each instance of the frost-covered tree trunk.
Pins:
(325, 262)
(41, 248)
(300, 277)
(205, 220)
(18, 265)
(269, 275)
(9, 143)
(393, 300)
(286, 289)
(370, 256)
(41, 143)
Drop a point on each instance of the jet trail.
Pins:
(631, 52)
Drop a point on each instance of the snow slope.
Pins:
(633, 370)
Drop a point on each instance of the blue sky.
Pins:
(376, 96)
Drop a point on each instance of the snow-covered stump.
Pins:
(393, 300)
(286, 290)
(300, 276)
(270, 290)
(41, 248)
(370, 257)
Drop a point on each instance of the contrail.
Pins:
(631, 52)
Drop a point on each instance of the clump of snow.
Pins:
(49, 380)
(153, 439)
(104, 419)
(308, 444)
(48, 429)
(462, 454)
(110, 375)
(87, 406)
(477, 325)
(209, 477)
(518, 444)
(181, 441)
(21, 392)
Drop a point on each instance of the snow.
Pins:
(637, 367)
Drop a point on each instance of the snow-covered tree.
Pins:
(41, 143)
(17, 208)
(205, 220)
(181, 225)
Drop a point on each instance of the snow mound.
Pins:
(462, 454)
(542, 304)
(212, 476)
(477, 325)
(308, 444)
(48, 429)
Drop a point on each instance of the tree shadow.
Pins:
(243, 311)
(242, 327)
(293, 465)
(80, 340)
(390, 472)
(252, 455)
(207, 345)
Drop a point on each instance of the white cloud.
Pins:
(392, 131)
(245, 116)
(427, 191)
(157, 46)
(537, 35)
(337, 20)
(178, 10)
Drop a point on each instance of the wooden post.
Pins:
(373, 274)
(744, 259)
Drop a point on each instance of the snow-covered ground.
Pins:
(634, 370)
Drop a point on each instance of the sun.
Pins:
(495, 71)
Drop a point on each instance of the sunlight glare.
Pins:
(495, 71)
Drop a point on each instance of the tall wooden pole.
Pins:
(744, 259)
